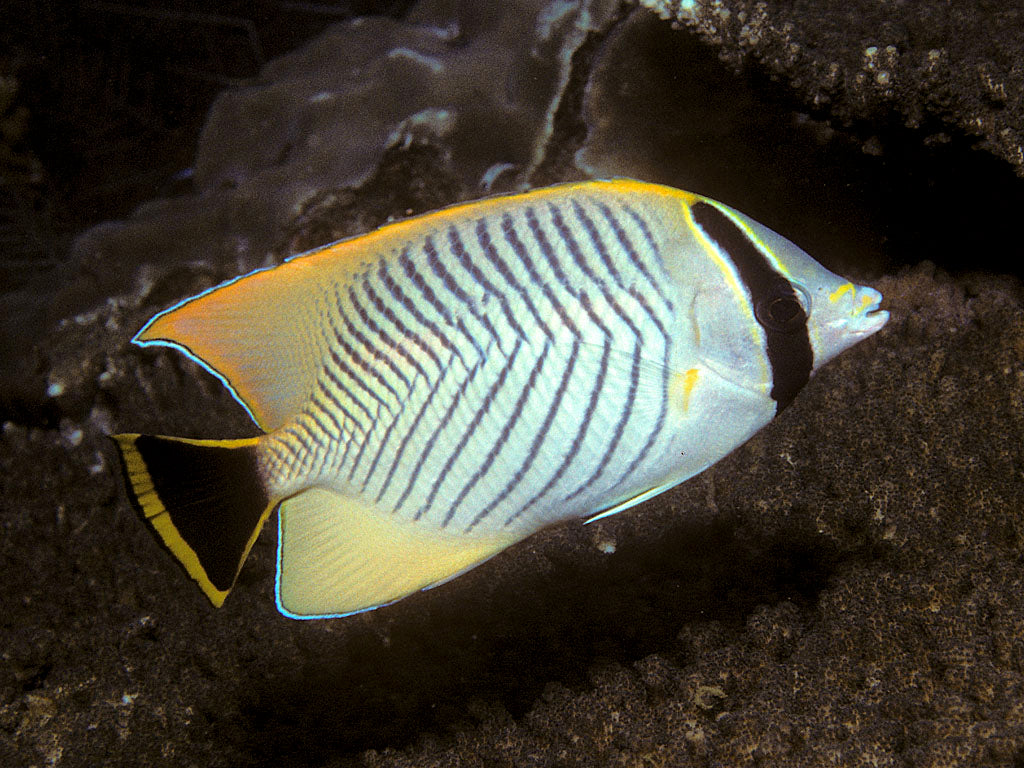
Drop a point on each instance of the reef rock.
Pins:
(931, 65)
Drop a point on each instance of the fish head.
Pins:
(772, 315)
(843, 316)
(839, 313)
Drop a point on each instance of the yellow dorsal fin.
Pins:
(262, 334)
(337, 556)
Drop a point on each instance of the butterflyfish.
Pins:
(434, 391)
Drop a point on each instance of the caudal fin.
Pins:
(204, 499)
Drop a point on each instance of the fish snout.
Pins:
(866, 317)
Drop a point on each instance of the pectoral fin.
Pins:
(630, 502)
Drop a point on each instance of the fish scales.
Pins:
(441, 388)
(463, 268)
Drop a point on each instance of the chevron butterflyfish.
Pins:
(434, 391)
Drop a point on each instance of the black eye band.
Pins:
(776, 303)
(782, 308)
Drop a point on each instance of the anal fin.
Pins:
(339, 555)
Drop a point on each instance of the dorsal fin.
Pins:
(261, 333)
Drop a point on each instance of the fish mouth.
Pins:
(868, 318)
(872, 322)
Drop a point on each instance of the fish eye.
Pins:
(784, 307)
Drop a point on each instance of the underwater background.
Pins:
(844, 589)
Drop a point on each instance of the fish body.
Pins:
(439, 389)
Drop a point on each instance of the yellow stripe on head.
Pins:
(839, 292)
(726, 267)
(754, 238)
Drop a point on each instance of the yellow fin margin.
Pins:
(154, 510)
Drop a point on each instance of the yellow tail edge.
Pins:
(204, 500)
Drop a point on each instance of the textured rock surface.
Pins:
(846, 589)
(934, 66)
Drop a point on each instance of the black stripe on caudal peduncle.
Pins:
(776, 304)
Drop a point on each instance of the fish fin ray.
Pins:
(652, 373)
(203, 500)
(338, 555)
